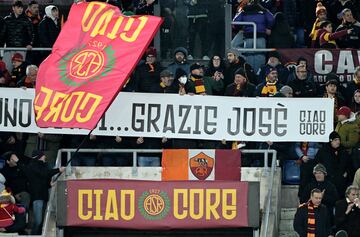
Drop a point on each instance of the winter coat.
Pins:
(184, 65)
(348, 131)
(330, 196)
(48, 32)
(2, 32)
(146, 76)
(19, 31)
(327, 40)
(313, 148)
(303, 88)
(7, 212)
(211, 85)
(247, 91)
(322, 221)
(229, 73)
(352, 40)
(198, 9)
(16, 179)
(39, 175)
(335, 162)
(349, 222)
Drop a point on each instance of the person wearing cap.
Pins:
(330, 195)
(241, 86)
(312, 218)
(39, 176)
(271, 86)
(347, 212)
(234, 62)
(321, 15)
(180, 62)
(147, 74)
(349, 22)
(301, 85)
(274, 62)
(327, 37)
(19, 31)
(204, 85)
(18, 72)
(335, 159)
(166, 83)
(347, 128)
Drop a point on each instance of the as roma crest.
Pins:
(201, 165)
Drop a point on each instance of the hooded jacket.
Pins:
(49, 28)
(348, 131)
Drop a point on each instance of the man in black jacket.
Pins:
(311, 218)
(347, 212)
(348, 22)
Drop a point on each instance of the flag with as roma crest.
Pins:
(91, 60)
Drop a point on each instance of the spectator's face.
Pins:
(353, 195)
(288, 94)
(216, 61)
(316, 198)
(301, 73)
(167, 80)
(197, 72)
(16, 64)
(34, 9)
(322, 16)
(348, 17)
(335, 143)
(12, 161)
(273, 61)
(239, 79)
(179, 56)
(319, 176)
(357, 97)
(331, 89)
(231, 57)
(357, 75)
(328, 28)
(272, 76)
(17, 10)
(303, 63)
(2, 80)
(150, 59)
(32, 74)
(55, 13)
(341, 117)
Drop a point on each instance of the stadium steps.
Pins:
(289, 205)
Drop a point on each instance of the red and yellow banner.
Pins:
(183, 164)
(157, 205)
(91, 60)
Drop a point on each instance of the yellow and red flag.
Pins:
(183, 164)
(91, 60)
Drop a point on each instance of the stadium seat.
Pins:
(290, 172)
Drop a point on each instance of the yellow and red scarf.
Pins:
(311, 228)
(199, 85)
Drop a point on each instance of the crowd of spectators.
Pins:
(326, 170)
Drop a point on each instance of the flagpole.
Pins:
(73, 155)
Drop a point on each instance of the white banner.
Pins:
(195, 117)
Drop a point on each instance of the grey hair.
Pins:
(351, 188)
(28, 68)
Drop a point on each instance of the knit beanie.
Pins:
(233, 51)
(150, 51)
(333, 135)
(320, 8)
(269, 69)
(241, 72)
(286, 89)
(17, 57)
(344, 110)
(319, 168)
(195, 66)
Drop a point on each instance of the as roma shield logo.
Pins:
(201, 165)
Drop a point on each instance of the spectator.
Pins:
(338, 6)
(18, 72)
(145, 7)
(271, 86)
(30, 79)
(198, 25)
(347, 212)
(241, 86)
(274, 61)
(16, 179)
(355, 103)
(5, 74)
(254, 12)
(348, 22)
(355, 160)
(353, 85)
(302, 84)
(347, 128)
(286, 91)
(281, 36)
(335, 160)
(331, 92)
(32, 13)
(305, 153)
(147, 74)
(204, 85)
(8, 221)
(356, 181)
(312, 218)
(8, 142)
(180, 62)
(49, 28)
(328, 189)
(166, 84)
(19, 32)
(321, 15)
(327, 38)
(39, 176)
(215, 70)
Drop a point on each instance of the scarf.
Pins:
(356, 81)
(34, 19)
(151, 67)
(304, 147)
(269, 89)
(162, 85)
(199, 84)
(311, 219)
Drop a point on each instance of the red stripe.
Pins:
(227, 165)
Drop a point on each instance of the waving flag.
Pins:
(90, 62)
(182, 164)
